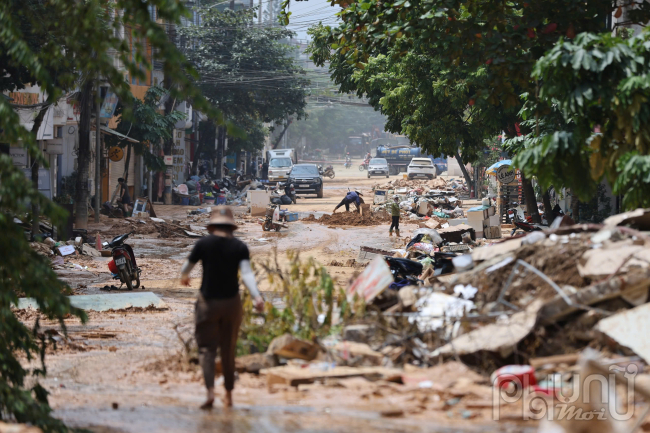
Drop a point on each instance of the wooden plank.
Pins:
(294, 376)
(570, 358)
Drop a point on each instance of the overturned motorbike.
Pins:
(123, 266)
(288, 197)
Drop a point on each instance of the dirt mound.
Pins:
(353, 219)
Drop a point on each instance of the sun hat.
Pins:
(222, 216)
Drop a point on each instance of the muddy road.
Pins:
(119, 377)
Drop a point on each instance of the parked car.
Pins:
(421, 167)
(306, 179)
(377, 167)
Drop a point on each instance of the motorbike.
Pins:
(288, 197)
(123, 266)
(329, 172)
(347, 163)
(516, 215)
(364, 165)
(272, 219)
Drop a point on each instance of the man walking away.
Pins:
(350, 197)
(124, 196)
(218, 308)
(394, 213)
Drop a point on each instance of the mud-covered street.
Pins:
(119, 375)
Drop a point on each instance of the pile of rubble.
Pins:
(530, 312)
(79, 246)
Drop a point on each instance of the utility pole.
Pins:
(98, 154)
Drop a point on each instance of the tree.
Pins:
(599, 83)
(421, 97)
(505, 38)
(245, 70)
(144, 122)
(58, 45)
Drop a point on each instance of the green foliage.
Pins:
(146, 123)
(25, 273)
(245, 70)
(308, 292)
(58, 45)
(634, 179)
(600, 83)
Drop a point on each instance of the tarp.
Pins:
(493, 168)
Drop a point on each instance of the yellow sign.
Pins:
(115, 153)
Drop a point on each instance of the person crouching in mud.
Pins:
(350, 197)
(218, 308)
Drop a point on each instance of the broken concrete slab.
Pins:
(90, 251)
(489, 251)
(192, 234)
(628, 329)
(598, 263)
(638, 219)
(118, 301)
(356, 354)
(500, 337)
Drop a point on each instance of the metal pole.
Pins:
(98, 154)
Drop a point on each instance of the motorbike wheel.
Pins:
(267, 226)
(331, 175)
(126, 278)
(137, 282)
(362, 167)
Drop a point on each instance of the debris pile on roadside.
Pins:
(532, 311)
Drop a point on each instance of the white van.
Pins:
(280, 163)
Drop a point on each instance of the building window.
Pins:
(59, 132)
(152, 12)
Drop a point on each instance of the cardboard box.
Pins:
(491, 211)
(495, 220)
(259, 199)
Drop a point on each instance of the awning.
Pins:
(493, 168)
(107, 130)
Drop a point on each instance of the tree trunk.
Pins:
(531, 200)
(575, 207)
(468, 178)
(125, 176)
(83, 156)
(221, 138)
(548, 210)
(279, 138)
(36, 223)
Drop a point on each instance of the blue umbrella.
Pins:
(493, 168)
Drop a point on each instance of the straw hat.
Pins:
(222, 216)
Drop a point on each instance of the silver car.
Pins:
(377, 167)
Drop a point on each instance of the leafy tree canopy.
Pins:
(245, 70)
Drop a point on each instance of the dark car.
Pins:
(306, 179)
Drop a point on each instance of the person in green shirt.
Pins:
(395, 213)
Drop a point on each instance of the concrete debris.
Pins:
(628, 330)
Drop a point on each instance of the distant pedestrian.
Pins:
(124, 198)
(350, 197)
(218, 308)
(395, 214)
(253, 168)
(265, 170)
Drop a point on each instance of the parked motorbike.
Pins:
(288, 197)
(272, 219)
(516, 215)
(329, 172)
(347, 163)
(123, 266)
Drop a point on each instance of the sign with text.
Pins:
(506, 174)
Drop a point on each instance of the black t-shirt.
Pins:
(126, 198)
(221, 257)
